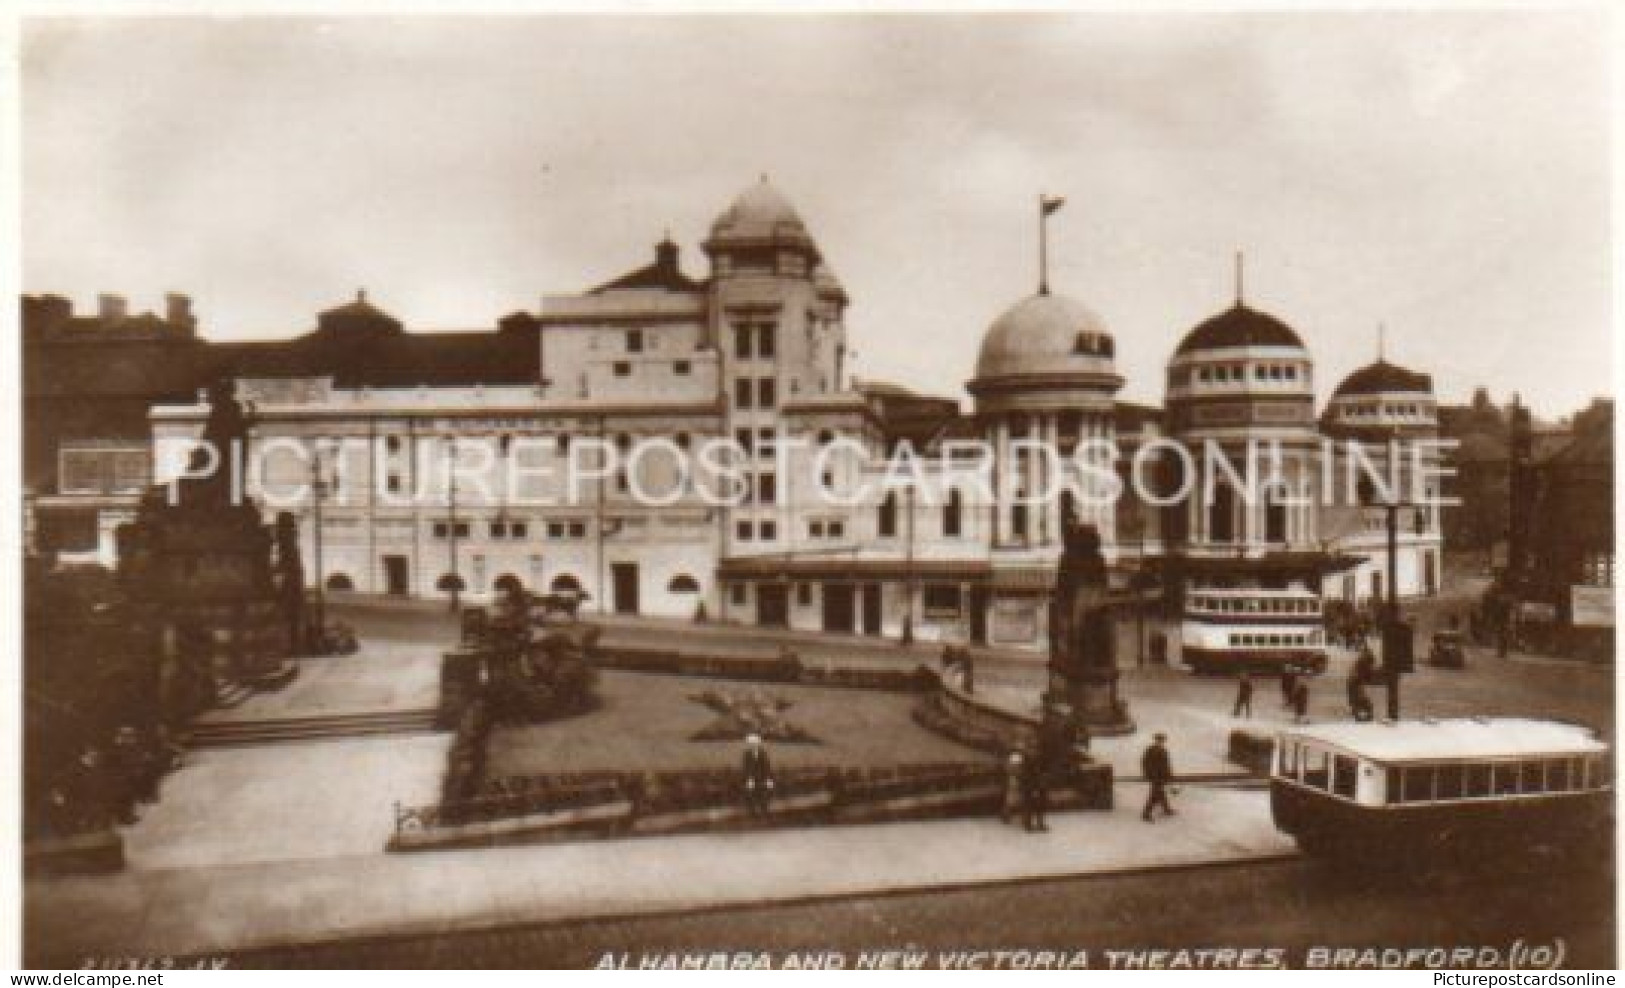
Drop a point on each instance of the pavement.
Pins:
(170, 911)
(380, 676)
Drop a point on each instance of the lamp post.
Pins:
(1394, 654)
(319, 487)
(451, 525)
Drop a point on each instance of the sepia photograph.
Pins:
(810, 488)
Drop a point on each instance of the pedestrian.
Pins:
(1159, 772)
(1244, 695)
(758, 777)
(1300, 703)
(1365, 667)
(1034, 793)
(1289, 686)
(1359, 701)
(1011, 810)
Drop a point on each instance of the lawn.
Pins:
(646, 722)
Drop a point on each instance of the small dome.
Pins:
(1239, 326)
(1045, 334)
(760, 211)
(1384, 378)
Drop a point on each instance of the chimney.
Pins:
(178, 312)
(111, 308)
(666, 256)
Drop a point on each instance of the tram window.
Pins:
(1316, 770)
(1343, 776)
(1529, 777)
(1418, 784)
(1506, 779)
(1289, 761)
(1450, 782)
(1478, 780)
(1557, 775)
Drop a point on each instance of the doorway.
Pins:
(871, 609)
(839, 607)
(397, 576)
(624, 577)
(773, 605)
(978, 616)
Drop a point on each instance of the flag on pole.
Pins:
(1049, 204)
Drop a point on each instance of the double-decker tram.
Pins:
(1430, 789)
(1226, 629)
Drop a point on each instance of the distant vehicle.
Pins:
(1427, 789)
(1449, 650)
(1223, 630)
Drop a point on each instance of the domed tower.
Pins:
(776, 315)
(1384, 419)
(1046, 378)
(1245, 563)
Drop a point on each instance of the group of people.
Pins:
(1295, 690)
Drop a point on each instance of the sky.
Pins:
(1444, 174)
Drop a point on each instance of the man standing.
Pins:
(1159, 771)
(758, 777)
(1034, 792)
(1244, 695)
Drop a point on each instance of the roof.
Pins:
(1384, 378)
(1462, 738)
(1045, 334)
(665, 274)
(759, 215)
(1239, 326)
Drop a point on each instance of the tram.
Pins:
(1224, 629)
(1438, 788)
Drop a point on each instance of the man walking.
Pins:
(758, 777)
(1244, 695)
(1159, 771)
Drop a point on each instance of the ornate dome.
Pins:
(758, 213)
(1384, 378)
(1239, 326)
(1045, 334)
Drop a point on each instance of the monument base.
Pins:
(1093, 705)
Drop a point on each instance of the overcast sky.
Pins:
(1445, 174)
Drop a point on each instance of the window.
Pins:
(1344, 774)
(393, 483)
(1417, 785)
(766, 342)
(887, 522)
(804, 595)
(460, 529)
(1558, 776)
(815, 529)
(340, 581)
(683, 583)
(765, 440)
(392, 444)
(941, 600)
(518, 529)
(767, 488)
(744, 531)
(578, 530)
(742, 340)
(1450, 782)
(825, 437)
(441, 530)
(1478, 781)
(952, 513)
(836, 529)
(449, 582)
(769, 531)
(634, 341)
(623, 368)
(555, 529)
(499, 530)
(738, 593)
(745, 439)
(683, 440)
(744, 393)
(682, 368)
(562, 443)
(767, 393)
(565, 583)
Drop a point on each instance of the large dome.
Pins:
(1239, 326)
(1384, 378)
(1045, 334)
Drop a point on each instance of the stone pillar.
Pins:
(1003, 481)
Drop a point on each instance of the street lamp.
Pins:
(319, 489)
(1396, 644)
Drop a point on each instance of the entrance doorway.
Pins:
(839, 607)
(397, 576)
(624, 577)
(978, 616)
(773, 605)
(871, 609)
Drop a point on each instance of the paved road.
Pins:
(1293, 906)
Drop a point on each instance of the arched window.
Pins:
(825, 437)
(565, 583)
(1221, 514)
(508, 583)
(449, 582)
(887, 522)
(683, 583)
(340, 581)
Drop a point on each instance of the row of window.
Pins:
(1237, 373)
(1426, 783)
(1382, 409)
(754, 340)
(681, 368)
(1307, 639)
(1255, 605)
(756, 392)
(756, 531)
(511, 529)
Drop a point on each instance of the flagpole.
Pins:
(1043, 247)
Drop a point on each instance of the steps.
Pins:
(227, 734)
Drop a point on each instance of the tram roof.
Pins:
(1461, 738)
